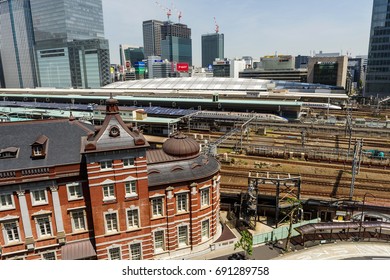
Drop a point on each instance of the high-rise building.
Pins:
(66, 20)
(378, 68)
(17, 44)
(212, 48)
(35, 41)
(70, 52)
(176, 43)
(152, 37)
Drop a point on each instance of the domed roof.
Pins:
(181, 146)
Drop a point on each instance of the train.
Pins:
(243, 116)
(225, 121)
(321, 105)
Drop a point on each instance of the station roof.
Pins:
(210, 83)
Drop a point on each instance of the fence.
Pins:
(280, 233)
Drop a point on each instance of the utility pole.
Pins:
(348, 127)
(357, 157)
(303, 138)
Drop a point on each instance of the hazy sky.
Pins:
(251, 27)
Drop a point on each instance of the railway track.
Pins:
(294, 139)
(306, 177)
(372, 169)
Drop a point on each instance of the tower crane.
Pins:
(179, 16)
(216, 26)
(167, 10)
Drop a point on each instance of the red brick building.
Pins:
(72, 191)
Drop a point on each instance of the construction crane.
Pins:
(216, 26)
(167, 10)
(179, 16)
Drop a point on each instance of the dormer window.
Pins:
(38, 148)
(10, 152)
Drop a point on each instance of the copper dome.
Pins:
(181, 146)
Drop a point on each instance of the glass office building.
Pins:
(176, 43)
(17, 44)
(37, 39)
(89, 63)
(152, 37)
(67, 54)
(54, 69)
(378, 67)
(67, 20)
(212, 48)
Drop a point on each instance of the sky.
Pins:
(251, 27)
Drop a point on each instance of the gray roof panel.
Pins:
(63, 144)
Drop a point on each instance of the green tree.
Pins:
(245, 242)
(296, 205)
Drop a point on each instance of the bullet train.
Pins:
(321, 105)
(218, 115)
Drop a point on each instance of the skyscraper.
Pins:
(212, 48)
(176, 43)
(70, 44)
(17, 44)
(36, 34)
(378, 68)
(152, 37)
(67, 20)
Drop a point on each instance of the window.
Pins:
(11, 232)
(78, 220)
(205, 230)
(114, 253)
(74, 191)
(107, 164)
(6, 202)
(132, 218)
(39, 197)
(183, 235)
(205, 197)
(181, 200)
(127, 162)
(108, 192)
(49, 256)
(111, 222)
(157, 207)
(37, 150)
(159, 240)
(131, 188)
(43, 224)
(135, 251)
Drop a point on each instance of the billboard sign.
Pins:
(182, 67)
(139, 64)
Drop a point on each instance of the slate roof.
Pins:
(63, 143)
(183, 170)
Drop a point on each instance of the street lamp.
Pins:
(362, 213)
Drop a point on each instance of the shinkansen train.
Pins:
(239, 116)
(320, 105)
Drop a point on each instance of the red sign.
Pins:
(182, 67)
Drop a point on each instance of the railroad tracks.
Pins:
(378, 169)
